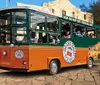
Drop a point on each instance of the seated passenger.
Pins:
(57, 40)
(68, 34)
(63, 35)
(52, 40)
(35, 40)
(83, 33)
(78, 34)
(92, 35)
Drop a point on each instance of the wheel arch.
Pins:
(91, 58)
(56, 59)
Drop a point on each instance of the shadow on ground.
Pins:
(41, 73)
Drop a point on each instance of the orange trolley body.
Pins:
(38, 57)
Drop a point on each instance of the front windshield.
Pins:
(19, 35)
(19, 30)
(13, 27)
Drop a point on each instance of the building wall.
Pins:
(56, 7)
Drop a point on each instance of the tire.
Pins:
(90, 63)
(53, 67)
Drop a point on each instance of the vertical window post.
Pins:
(96, 33)
(28, 25)
(85, 30)
(71, 26)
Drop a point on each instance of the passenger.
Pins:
(64, 35)
(91, 35)
(52, 40)
(83, 33)
(44, 39)
(35, 40)
(57, 40)
(94, 36)
(68, 34)
(79, 34)
(87, 35)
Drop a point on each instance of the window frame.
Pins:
(46, 31)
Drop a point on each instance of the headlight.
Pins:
(24, 62)
(4, 53)
(19, 54)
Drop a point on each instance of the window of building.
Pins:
(73, 14)
(91, 18)
(63, 13)
(84, 16)
(53, 11)
(52, 24)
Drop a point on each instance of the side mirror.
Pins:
(11, 45)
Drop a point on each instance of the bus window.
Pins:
(54, 39)
(65, 33)
(52, 24)
(98, 33)
(19, 35)
(37, 21)
(5, 19)
(19, 17)
(90, 32)
(5, 36)
(78, 31)
(38, 37)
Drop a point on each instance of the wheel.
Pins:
(90, 63)
(53, 67)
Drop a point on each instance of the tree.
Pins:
(94, 8)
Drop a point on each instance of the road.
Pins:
(68, 76)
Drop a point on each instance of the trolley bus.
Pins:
(31, 40)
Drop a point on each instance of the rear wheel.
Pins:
(53, 67)
(90, 63)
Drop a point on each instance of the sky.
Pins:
(77, 3)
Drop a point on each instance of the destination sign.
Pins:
(77, 20)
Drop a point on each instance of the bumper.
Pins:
(15, 69)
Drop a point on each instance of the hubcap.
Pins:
(54, 68)
(90, 63)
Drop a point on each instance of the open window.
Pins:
(91, 32)
(54, 39)
(98, 33)
(78, 30)
(52, 24)
(19, 17)
(38, 37)
(37, 21)
(66, 29)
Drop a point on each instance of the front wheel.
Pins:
(90, 63)
(53, 67)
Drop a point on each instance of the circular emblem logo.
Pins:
(19, 54)
(69, 51)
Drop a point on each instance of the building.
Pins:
(62, 8)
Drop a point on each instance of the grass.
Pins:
(97, 61)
